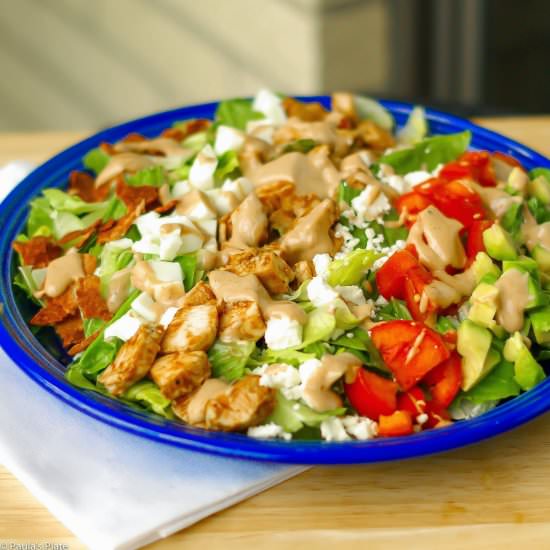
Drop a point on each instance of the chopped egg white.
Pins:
(223, 201)
(282, 333)
(270, 105)
(145, 307)
(147, 245)
(125, 327)
(228, 139)
(208, 227)
(168, 315)
(241, 187)
(166, 272)
(170, 245)
(202, 170)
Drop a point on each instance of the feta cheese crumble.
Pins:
(269, 431)
(282, 333)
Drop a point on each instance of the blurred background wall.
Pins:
(81, 64)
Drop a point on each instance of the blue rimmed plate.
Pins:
(45, 367)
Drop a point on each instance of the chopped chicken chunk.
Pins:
(193, 328)
(200, 294)
(178, 374)
(246, 403)
(241, 321)
(190, 408)
(274, 273)
(133, 361)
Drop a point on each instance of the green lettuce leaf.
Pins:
(370, 109)
(346, 193)
(293, 415)
(236, 113)
(154, 176)
(428, 153)
(148, 394)
(540, 211)
(445, 324)
(416, 127)
(40, 220)
(228, 167)
(351, 269)
(191, 275)
(111, 260)
(290, 356)
(300, 146)
(229, 360)
(63, 202)
(394, 309)
(360, 341)
(95, 160)
(320, 325)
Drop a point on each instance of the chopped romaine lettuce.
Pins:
(320, 325)
(229, 360)
(191, 275)
(228, 167)
(148, 394)
(154, 176)
(368, 108)
(416, 127)
(236, 113)
(445, 324)
(293, 415)
(290, 356)
(300, 146)
(498, 384)
(346, 193)
(394, 309)
(540, 172)
(95, 160)
(428, 153)
(351, 269)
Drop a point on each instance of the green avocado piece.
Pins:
(473, 344)
(528, 373)
(539, 187)
(484, 266)
(499, 243)
(540, 321)
(484, 305)
(542, 256)
(524, 264)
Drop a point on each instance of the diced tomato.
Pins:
(437, 416)
(399, 423)
(457, 201)
(474, 243)
(507, 159)
(372, 395)
(444, 381)
(413, 203)
(475, 165)
(390, 278)
(417, 278)
(413, 401)
(409, 349)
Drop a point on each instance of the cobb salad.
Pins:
(293, 272)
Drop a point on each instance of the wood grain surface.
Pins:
(492, 495)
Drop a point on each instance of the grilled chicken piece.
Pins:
(272, 194)
(191, 408)
(200, 294)
(303, 271)
(133, 361)
(274, 273)
(243, 405)
(241, 321)
(178, 374)
(193, 328)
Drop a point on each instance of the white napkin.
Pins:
(113, 490)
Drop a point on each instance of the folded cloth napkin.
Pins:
(113, 490)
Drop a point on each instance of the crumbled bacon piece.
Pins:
(83, 185)
(165, 208)
(77, 238)
(38, 251)
(131, 195)
(83, 344)
(57, 309)
(71, 330)
(111, 232)
(89, 298)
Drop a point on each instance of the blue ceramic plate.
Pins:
(45, 366)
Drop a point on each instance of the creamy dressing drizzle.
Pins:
(165, 146)
(166, 294)
(534, 234)
(61, 273)
(317, 392)
(118, 288)
(212, 388)
(496, 200)
(513, 297)
(446, 289)
(437, 240)
(119, 164)
(230, 288)
(249, 224)
(311, 234)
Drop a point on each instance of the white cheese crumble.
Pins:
(352, 293)
(269, 431)
(320, 292)
(416, 178)
(360, 427)
(282, 333)
(332, 429)
(321, 263)
(371, 203)
(283, 377)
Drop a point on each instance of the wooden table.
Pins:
(493, 495)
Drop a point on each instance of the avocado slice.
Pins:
(473, 344)
(542, 256)
(527, 372)
(540, 321)
(484, 302)
(517, 182)
(483, 266)
(499, 243)
(524, 264)
(539, 187)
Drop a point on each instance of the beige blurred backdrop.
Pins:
(84, 64)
